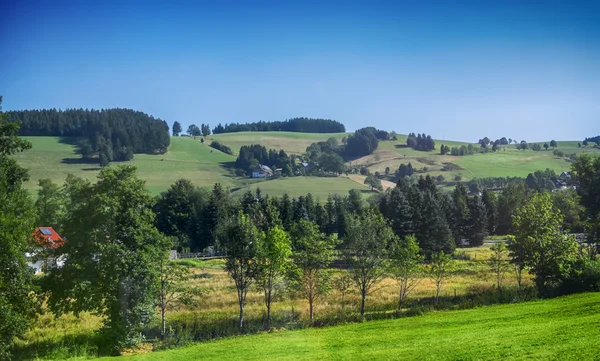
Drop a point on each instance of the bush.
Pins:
(221, 147)
(584, 277)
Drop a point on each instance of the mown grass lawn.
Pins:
(319, 187)
(566, 328)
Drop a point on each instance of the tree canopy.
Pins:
(305, 125)
(103, 135)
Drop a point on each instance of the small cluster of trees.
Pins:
(193, 130)
(405, 170)
(102, 135)
(221, 147)
(363, 142)
(325, 157)
(305, 125)
(420, 142)
(589, 140)
(250, 156)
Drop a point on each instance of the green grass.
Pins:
(190, 159)
(186, 158)
(319, 187)
(559, 329)
(291, 142)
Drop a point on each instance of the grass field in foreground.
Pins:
(564, 328)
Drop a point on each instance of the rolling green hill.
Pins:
(54, 158)
(558, 329)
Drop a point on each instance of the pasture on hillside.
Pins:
(563, 328)
(54, 158)
(291, 142)
(318, 187)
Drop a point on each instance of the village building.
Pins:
(43, 256)
(262, 171)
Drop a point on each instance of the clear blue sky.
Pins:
(455, 70)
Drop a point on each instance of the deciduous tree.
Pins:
(18, 304)
(439, 269)
(273, 257)
(312, 255)
(114, 251)
(240, 239)
(405, 263)
(365, 251)
(545, 250)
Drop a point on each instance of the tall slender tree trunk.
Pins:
(400, 298)
(269, 294)
(164, 321)
(363, 292)
(241, 319)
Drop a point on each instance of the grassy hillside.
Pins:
(558, 329)
(292, 143)
(188, 158)
(52, 158)
(319, 187)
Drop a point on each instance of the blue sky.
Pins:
(455, 70)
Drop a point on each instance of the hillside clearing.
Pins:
(558, 329)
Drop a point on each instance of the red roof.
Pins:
(47, 237)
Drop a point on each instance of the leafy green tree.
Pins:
(553, 144)
(343, 284)
(312, 255)
(499, 263)
(365, 251)
(586, 172)
(50, 204)
(18, 303)
(177, 129)
(511, 198)
(405, 262)
(545, 250)
(240, 239)
(585, 143)
(205, 129)
(179, 213)
(171, 288)
(546, 146)
(114, 252)
(439, 270)
(194, 131)
(273, 256)
(373, 182)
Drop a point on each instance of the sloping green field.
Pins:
(291, 142)
(189, 158)
(51, 158)
(566, 328)
(319, 187)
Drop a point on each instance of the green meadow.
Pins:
(54, 158)
(565, 328)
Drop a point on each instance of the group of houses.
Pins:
(262, 171)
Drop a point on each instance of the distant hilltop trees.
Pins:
(102, 135)
(304, 125)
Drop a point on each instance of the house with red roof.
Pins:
(45, 241)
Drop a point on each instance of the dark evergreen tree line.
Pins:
(304, 125)
(104, 135)
(420, 142)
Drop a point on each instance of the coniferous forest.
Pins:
(103, 135)
(305, 125)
